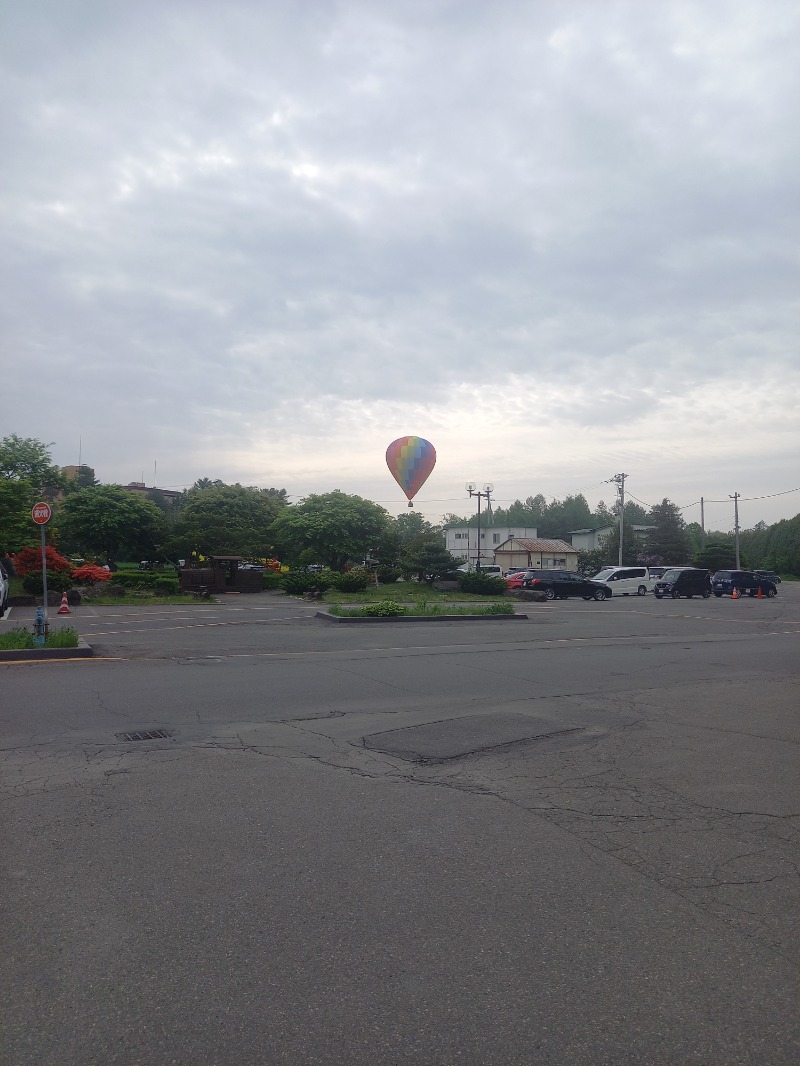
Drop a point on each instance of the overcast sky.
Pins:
(260, 240)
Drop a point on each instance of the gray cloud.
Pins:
(224, 221)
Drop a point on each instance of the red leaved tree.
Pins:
(29, 560)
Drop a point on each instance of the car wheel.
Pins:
(772, 592)
(707, 595)
(675, 594)
(587, 597)
(550, 594)
(718, 595)
(600, 594)
(641, 591)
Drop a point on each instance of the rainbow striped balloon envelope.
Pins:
(410, 460)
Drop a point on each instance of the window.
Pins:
(495, 538)
(460, 536)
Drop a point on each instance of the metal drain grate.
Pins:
(147, 734)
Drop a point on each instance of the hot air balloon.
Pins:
(410, 460)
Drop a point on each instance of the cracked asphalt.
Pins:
(571, 840)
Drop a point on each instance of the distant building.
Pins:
(140, 489)
(589, 540)
(536, 554)
(462, 540)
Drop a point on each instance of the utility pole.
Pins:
(702, 523)
(619, 481)
(484, 493)
(735, 499)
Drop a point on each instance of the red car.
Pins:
(515, 580)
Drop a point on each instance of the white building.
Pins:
(462, 540)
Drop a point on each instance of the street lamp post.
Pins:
(483, 493)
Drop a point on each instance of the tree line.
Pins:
(110, 524)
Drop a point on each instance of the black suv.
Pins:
(683, 581)
(559, 584)
(770, 575)
(744, 581)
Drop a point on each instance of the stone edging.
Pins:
(32, 655)
(422, 618)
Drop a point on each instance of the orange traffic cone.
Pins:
(760, 595)
(64, 608)
(734, 593)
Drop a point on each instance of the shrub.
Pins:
(167, 586)
(146, 579)
(57, 581)
(272, 580)
(352, 581)
(90, 574)
(296, 582)
(383, 608)
(388, 575)
(481, 584)
(29, 560)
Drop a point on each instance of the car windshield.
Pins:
(604, 574)
(672, 575)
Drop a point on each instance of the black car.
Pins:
(770, 575)
(683, 581)
(559, 584)
(725, 581)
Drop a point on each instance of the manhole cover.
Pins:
(454, 737)
(147, 734)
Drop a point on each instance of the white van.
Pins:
(627, 580)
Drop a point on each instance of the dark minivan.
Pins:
(744, 581)
(683, 581)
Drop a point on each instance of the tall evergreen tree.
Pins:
(667, 541)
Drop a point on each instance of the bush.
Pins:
(90, 574)
(272, 580)
(29, 561)
(146, 579)
(296, 582)
(167, 586)
(352, 581)
(388, 575)
(57, 581)
(481, 584)
(383, 608)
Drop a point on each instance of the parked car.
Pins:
(3, 592)
(626, 580)
(683, 581)
(559, 584)
(490, 570)
(725, 581)
(515, 579)
(770, 575)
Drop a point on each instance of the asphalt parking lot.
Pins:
(566, 840)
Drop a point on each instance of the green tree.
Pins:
(225, 520)
(26, 471)
(716, 556)
(427, 561)
(333, 526)
(28, 459)
(667, 542)
(84, 479)
(109, 522)
(632, 546)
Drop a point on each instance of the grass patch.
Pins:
(421, 609)
(401, 592)
(22, 639)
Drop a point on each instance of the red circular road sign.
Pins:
(42, 513)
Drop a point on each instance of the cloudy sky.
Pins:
(259, 240)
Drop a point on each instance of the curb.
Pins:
(423, 618)
(28, 655)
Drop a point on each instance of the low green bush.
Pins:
(388, 575)
(383, 608)
(482, 584)
(146, 579)
(20, 639)
(296, 582)
(272, 580)
(352, 581)
(57, 581)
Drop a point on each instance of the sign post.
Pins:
(41, 514)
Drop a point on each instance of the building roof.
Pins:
(593, 529)
(539, 546)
